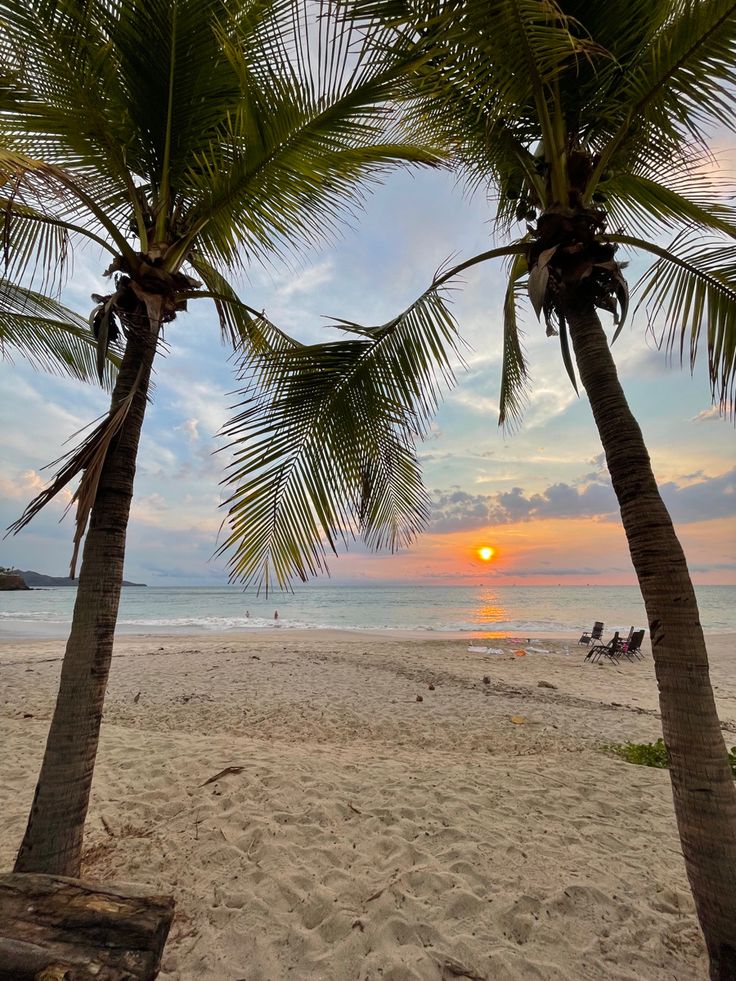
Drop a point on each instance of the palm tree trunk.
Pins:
(53, 839)
(702, 783)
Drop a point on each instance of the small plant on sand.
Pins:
(653, 754)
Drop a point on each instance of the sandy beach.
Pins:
(354, 807)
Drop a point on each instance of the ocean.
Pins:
(526, 610)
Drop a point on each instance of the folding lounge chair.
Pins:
(632, 649)
(612, 649)
(624, 645)
(595, 634)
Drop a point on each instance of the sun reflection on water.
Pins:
(490, 609)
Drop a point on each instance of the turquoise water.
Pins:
(527, 610)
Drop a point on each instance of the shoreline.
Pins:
(301, 633)
(8, 637)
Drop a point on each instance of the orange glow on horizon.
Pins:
(545, 552)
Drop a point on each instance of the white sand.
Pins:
(368, 835)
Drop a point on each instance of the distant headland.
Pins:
(17, 579)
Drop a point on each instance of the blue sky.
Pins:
(541, 496)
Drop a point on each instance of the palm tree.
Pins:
(589, 122)
(185, 139)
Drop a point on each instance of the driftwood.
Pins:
(53, 928)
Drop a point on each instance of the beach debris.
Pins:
(420, 698)
(546, 684)
(486, 679)
(56, 928)
(452, 968)
(354, 809)
(430, 686)
(537, 650)
(475, 649)
(520, 653)
(255, 657)
(518, 720)
(106, 826)
(137, 698)
(223, 773)
(28, 715)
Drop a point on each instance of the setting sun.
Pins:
(486, 553)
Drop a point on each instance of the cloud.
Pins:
(191, 428)
(456, 510)
(309, 280)
(712, 567)
(712, 497)
(480, 404)
(587, 572)
(711, 414)
(28, 484)
(459, 511)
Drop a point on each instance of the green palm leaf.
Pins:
(673, 86)
(325, 449)
(692, 288)
(49, 336)
(324, 439)
(514, 376)
(240, 325)
(650, 207)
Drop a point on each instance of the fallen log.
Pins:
(53, 928)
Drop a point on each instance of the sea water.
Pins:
(526, 610)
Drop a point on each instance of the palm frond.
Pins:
(566, 352)
(676, 86)
(490, 108)
(692, 288)
(87, 459)
(514, 375)
(650, 207)
(65, 72)
(49, 336)
(35, 242)
(324, 449)
(302, 177)
(240, 325)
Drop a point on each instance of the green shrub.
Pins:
(653, 754)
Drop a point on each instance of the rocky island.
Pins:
(12, 580)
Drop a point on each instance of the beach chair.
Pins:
(595, 634)
(632, 649)
(612, 649)
(623, 647)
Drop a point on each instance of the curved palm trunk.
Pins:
(53, 839)
(702, 784)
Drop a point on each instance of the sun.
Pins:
(486, 553)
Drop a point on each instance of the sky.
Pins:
(540, 497)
